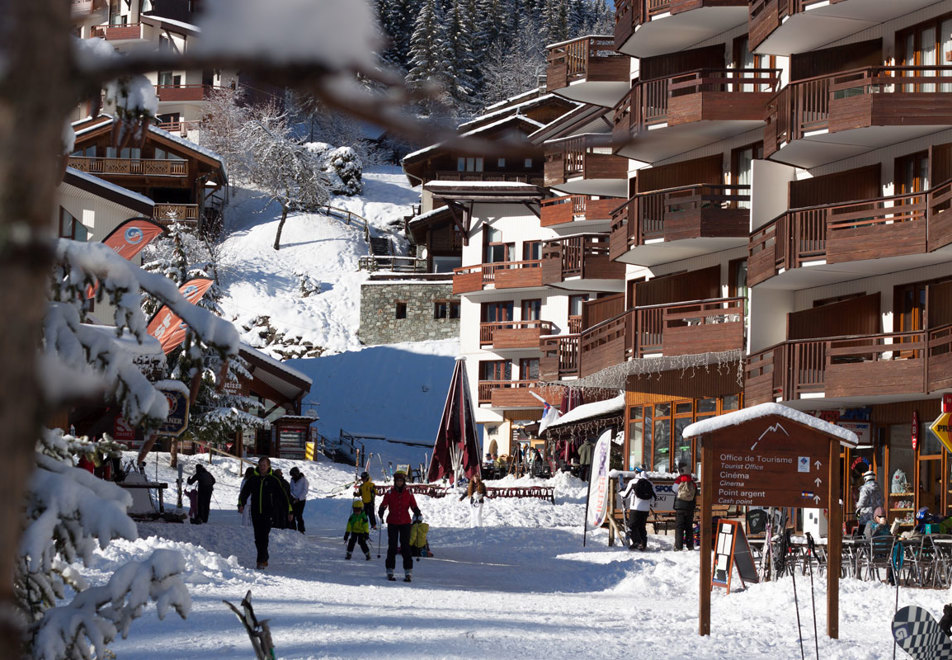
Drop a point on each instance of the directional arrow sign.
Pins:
(816, 499)
(817, 464)
(943, 431)
(818, 481)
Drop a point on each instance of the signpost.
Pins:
(770, 455)
(177, 420)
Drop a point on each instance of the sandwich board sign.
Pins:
(732, 549)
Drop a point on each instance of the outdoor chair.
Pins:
(876, 555)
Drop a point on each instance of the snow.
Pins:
(277, 364)
(476, 131)
(516, 185)
(847, 438)
(171, 22)
(589, 410)
(102, 183)
(510, 110)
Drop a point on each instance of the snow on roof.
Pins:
(102, 183)
(188, 144)
(173, 23)
(106, 119)
(449, 183)
(476, 131)
(763, 410)
(423, 217)
(590, 410)
(264, 357)
(498, 104)
(512, 109)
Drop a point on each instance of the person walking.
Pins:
(358, 530)
(585, 459)
(638, 497)
(870, 499)
(299, 487)
(368, 493)
(280, 519)
(400, 502)
(266, 495)
(476, 492)
(246, 515)
(206, 483)
(685, 488)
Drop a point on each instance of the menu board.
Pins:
(730, 550)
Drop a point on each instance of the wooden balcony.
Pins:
(802, 245)
(453, 175)
(684, 328)
(665, 116)
(587, 70)
(516, 393)
(129, 166)
(576, 208)
(501, 275)
(585, 165)
(183, 93)
(682, 222)
(513, 334)
(169, 213)
(180, 127)
(783, 27)
(117, 32)
(559, 357)
(581, 258)
(890, 364)
(653, 27)
(817, 120)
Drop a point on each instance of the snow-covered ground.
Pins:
(521, 586)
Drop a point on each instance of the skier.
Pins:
(358, 529)
(638, 497)
(400, 501)
(870, 497)
(419, 546)
(299, 487)
(686, 492)
(368, 492)
(206, 483)
(476, 492)
(267, 495)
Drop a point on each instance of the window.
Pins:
(532, 310)
(495, 250)
(446, 309)
(72, 228)
(927, 45)
(495, 370)
(912, 174)
(88, 152)
(575, 304)
(469, 164)
(401, 311)
(532, 250)
(497, 312)
(529, 369)
(742, 164)
(501, 163)
(125, 152)
(169, 79)
(528, 163)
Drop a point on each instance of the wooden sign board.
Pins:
(782, 466)
(732, 549)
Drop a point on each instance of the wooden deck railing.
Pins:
(502, 274)
(453, 175)
(513, 392)
(764, 16)
(532, 330)
(130, 166)
(854, 365)
(629, 14)
(828, 102)
(588, 156)
(588, 58)
(117, 32)
(575, 324)
(585, 255)
(680, 212)
(169, 213)
(185, 92)
(852, 231)
(569, 208)
(559, 356)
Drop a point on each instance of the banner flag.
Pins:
(128, 239)
(167, 326)
(598, 483)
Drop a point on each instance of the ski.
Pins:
(259, 632)
(918, 633)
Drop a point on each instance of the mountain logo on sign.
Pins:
(770, 429)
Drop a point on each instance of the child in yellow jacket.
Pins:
(419, 547)
(358, 530)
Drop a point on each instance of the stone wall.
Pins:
(379, 322)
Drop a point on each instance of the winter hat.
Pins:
(869, 474)
(400, 474)
(639, 469)
(365, 475)
(295, 472)
(358, 504)
(417, 517)
(683, 468)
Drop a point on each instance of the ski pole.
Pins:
(379, 534)
(811, 553)
(796, 605)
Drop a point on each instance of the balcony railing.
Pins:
(513, 334)
(181, 93)
(130, 166)
(117, 32)
(453, 175)
(584, 256)
(503, 275)
(180, 127)
(559, 357)
(629, 14)
(899, 363)
(516, 393)
(666, 100)
(169, 213)
(572, 208)
(892, 96)
(764, 16)
(575, 324)
(590, 58)
(698, 326)
(852, 231)
(586, 156)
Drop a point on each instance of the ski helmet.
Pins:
(365, 475)
(399, 474)
(358, 504)
(922, 514)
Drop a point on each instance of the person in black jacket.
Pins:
(206, 483)
(266, 494)
(280, 518)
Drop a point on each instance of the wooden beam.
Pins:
(532, 209)
(460, 220)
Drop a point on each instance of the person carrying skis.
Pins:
(358, 530)
(368, 493)
(476, 492)
(685, 489)
(638, 497)
(206, 483)
(400, 501)
(299, 488)
(267, 495)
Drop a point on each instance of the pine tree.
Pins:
(462, 53)
(429, 55)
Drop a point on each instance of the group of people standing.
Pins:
(639, 496)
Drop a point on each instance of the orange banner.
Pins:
(128, 239)
(167, 326)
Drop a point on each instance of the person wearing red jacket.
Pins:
(400, 501)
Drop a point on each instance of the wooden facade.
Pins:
(584, 156)
(582, 256)
(591, 59)
(516, 393)
(501, 275)
(575, 208)
(513, 334)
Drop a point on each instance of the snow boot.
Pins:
(390, 577)
(348, 556)
(406, 577)
(367, 556)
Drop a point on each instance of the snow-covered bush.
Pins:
(345, 171)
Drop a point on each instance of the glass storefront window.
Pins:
(634, 412)
(682, 408)
(682, 446)
(636, 445)
(662, 444)
(731, 402)
(706, 406)
(662, 409)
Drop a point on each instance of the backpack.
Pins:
(644, 490)
(687, 490)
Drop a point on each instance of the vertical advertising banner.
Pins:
(598, 484)
(128, 239)
(167, 326)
